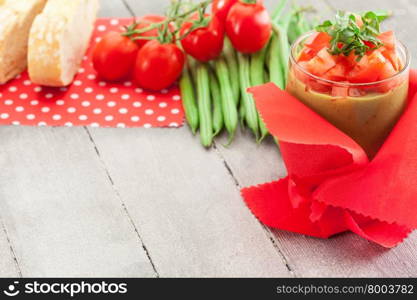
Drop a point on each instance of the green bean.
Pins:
(285, 21)
(188, 100)
(204, 105)
(251, 114)
(281, 28)
(298, 26)
(257, 71)
(242, 115)
(278, 10)
(229, 106)
(230, 56)
(264, 130)
(266, 73)
(294, 29)
(304, 26)
(216, 97)
(276, 74)
(284, 52)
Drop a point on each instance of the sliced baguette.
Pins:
(59, 39)
(16, 17)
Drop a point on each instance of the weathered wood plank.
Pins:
(346, 255)
(8, 267)
(141, 8)
(64, 218)
(61, 211)
(113, 8)
(185, 205)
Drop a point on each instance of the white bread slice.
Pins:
(59, 39)
(16, 17)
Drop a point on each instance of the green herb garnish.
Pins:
(348, 37)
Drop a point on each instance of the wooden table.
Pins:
(154, 203)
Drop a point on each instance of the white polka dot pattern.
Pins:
(89, 101)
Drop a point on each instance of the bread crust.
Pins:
(16, 20)
(57, 45)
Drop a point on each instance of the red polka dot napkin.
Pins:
(331, 186)
(89, 101)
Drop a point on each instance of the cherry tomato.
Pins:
(146, 21)
(114, 56)
(248, 26)
(221, 8)
(204, 43)
(158, 65)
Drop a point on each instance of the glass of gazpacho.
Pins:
(353, 76)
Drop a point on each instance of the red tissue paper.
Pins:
(331, 186)
(89, 101)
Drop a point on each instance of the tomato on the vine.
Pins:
(158, 65)
(221, 8)
(248, 26)
(203, 43)
(146, 21)
(114, 56)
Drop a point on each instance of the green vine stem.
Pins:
(163, 26)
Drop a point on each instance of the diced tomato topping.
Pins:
(322, 63)
(370, 45)
(387, 71)
(317, 41)
(368, 69)
(353, 92)
(375, 65)
(393, 57)
(319, 86)
(349, 61)
(306, 54)
(337, 73)
(388, 39)
(302, 76)
(340, 91)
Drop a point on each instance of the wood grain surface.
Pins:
(154, 203)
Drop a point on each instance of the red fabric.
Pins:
(331, 185)
(89, 101)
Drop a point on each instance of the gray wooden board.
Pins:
(137, 202)
(185, 205)
(59, 209)
(61, 212)
(8, 266)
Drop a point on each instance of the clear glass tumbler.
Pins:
(367, 112)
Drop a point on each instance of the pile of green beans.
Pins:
(215, 96)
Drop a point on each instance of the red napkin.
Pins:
(89, 101)
(331, 185)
